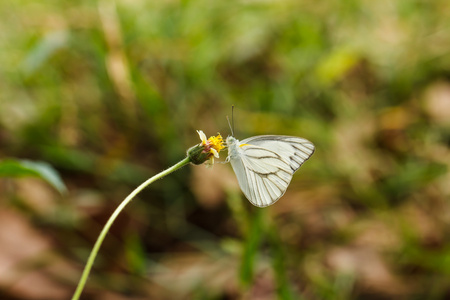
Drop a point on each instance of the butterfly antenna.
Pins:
(231, 128)
(232, 118)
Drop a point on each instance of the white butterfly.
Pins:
(264, 165)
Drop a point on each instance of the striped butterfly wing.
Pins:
(265, 165)
(293, 149)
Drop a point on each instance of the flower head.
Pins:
(206, 150)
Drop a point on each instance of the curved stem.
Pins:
(111, 220)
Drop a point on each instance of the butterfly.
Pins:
(264, 165)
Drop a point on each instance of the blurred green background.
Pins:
(110, 93)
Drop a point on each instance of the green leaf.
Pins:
(48, 46)
(280, 269)
(251, 249)
(23, 168)
(135, 254)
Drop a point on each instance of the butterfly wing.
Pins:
(293, 149)
(264, 165)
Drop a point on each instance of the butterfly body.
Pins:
(264, 165)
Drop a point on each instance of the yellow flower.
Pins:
(206, 150)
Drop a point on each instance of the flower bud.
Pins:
(206, 150)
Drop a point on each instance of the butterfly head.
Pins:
(231, 141)
(232, 146)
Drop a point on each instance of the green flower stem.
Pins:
(113, 217)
